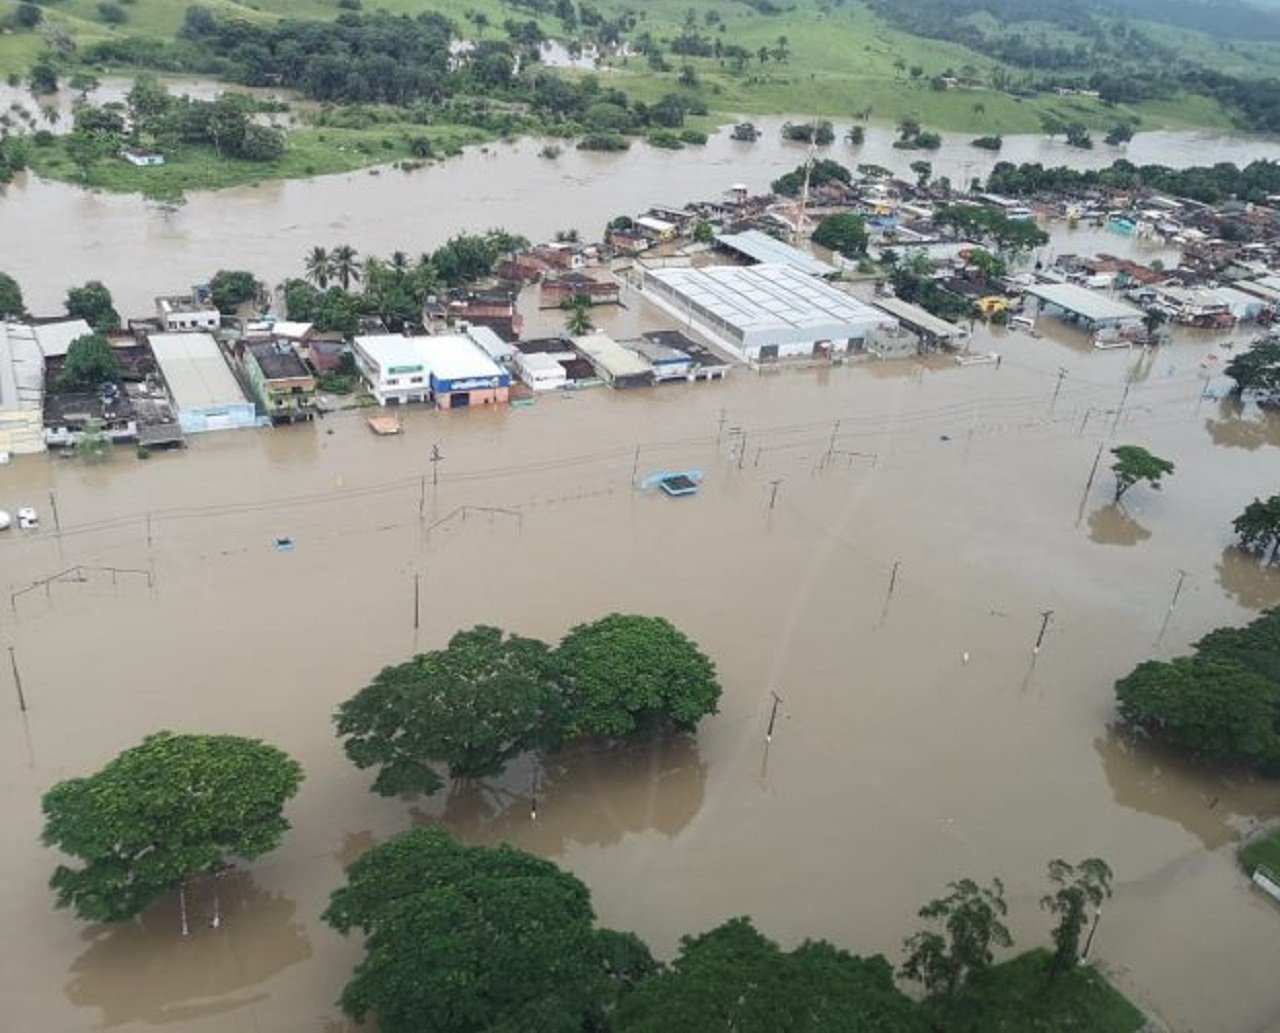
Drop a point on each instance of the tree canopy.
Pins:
(468, 708)
(1258, 368)
(624, 673)
(1079, 887)
(231, 288)
(90, 361)
(160, 812)
(1223, 701)
(1258, 527)
(971, 917)
(734, 978)
(1133, 464)
(11, 303)
(461, 938)
(844, 232)
(92, 303)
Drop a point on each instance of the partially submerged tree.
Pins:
(1079, 888)
(90, 361)
(231, 288)
(1258, 527)
(577, 320)
(462, 938)
(733, 978)
(971, 920)
(171, 808)
(468, 708)
(1257, 369)
(623, 674)
(1133, 464)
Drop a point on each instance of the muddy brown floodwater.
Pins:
(66, 235)
(895, 766)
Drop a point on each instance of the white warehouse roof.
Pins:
(197, 374)
(617, 360)
(767, 304)
(451, 357)
(1085, 303)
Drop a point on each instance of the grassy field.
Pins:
(1018, 997)
(1264, 852)
(309, 152)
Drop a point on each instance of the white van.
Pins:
(1022, 323)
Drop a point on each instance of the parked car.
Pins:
(28, 519)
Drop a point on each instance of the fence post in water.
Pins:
(17, 681)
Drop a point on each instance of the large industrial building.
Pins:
(764, 312)
(205, 391)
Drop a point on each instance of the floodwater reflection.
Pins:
(145, 971)
(1216, 807)
(1111, 525)
(591, 796)
(1244, 425)
(1247, 580)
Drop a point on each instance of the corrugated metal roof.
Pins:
(760, 247)
(1084, 302)
(197, 374)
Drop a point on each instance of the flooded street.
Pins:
(895, 765)
(67, 235)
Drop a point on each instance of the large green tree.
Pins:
(971, 917)
(1258, 527)
(733, 978)
(1079, 887)
(1133, 464)
(11, 304)
(460, 939)
(159, 813)
(844, 232)
(624, 673)
(1206, 704)
(231, 288)
(1257, 369)
(92, 303)
(468, 708)
(90, 361)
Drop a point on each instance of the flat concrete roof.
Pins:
(760, 247)
(762, 301)
(913, 316)
(619, 361)
(1083, 302)
(452, 357)
(393, 351)
(197, 374)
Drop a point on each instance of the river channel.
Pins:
(919, 739)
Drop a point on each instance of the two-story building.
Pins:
(394, 368)
(185, 313)
(281, 382)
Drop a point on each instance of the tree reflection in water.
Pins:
(1246, 580)
(144, 971)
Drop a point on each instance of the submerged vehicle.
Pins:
(28, 519)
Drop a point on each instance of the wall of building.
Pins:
(476, 399)
(225, 417)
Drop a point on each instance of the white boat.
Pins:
(5, 520)
(28, 519)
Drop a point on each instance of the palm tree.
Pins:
(344, 265)
(317, 267)
(399, 265)
(578, 321)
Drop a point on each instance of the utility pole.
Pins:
(773, 495)
(148, 529)
(831, 444)
(773, 716)
(1182, 576)
(1044, 624)
(635, 465)
(1062, 372)
(1094, 471)
(53, 505)
(893, 579)
(17, 681)
(720, 427)
(742, 448)
(436, 457)
(1123, 398)
(422, 495)
(417, 596)
(1097, 917)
